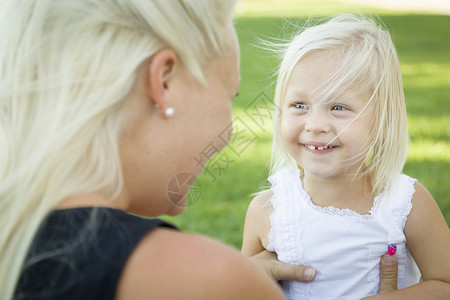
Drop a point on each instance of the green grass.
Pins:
(424, 49)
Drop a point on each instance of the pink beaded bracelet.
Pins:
(392, 249)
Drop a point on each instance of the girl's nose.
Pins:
(317, 122)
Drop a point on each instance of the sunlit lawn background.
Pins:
(222, 193)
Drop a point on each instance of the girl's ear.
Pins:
(161, 71)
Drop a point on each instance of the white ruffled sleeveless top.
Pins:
(343, 246)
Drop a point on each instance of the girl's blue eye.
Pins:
(338, 107)
(299, 105)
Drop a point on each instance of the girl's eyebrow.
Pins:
(340, 97)
(297, 95)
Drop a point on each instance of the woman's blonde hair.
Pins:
(367, 62)
(65, 68)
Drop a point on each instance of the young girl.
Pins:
(338, 200)
(102, 104)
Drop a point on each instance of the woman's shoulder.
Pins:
(168, 264)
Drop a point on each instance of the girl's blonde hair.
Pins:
(367, 62)
(65, 68)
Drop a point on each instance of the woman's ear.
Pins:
(161, 71)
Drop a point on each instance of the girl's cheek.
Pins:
(290, 123)
(289, 135)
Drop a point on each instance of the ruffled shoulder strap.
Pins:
(283, 177)
(285, 187)
(397, 206)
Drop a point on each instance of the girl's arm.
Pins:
(428, 238)
(255, 242)
(257, 224)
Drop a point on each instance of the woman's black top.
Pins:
(80, 253)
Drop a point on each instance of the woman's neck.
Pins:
(88, 200)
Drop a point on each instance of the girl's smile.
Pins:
(318, 147)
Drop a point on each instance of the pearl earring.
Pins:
(169, 112)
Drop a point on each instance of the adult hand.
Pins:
(388, 273)
(279, 271)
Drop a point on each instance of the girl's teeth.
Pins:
(317, 148)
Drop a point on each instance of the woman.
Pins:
(102, 103)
